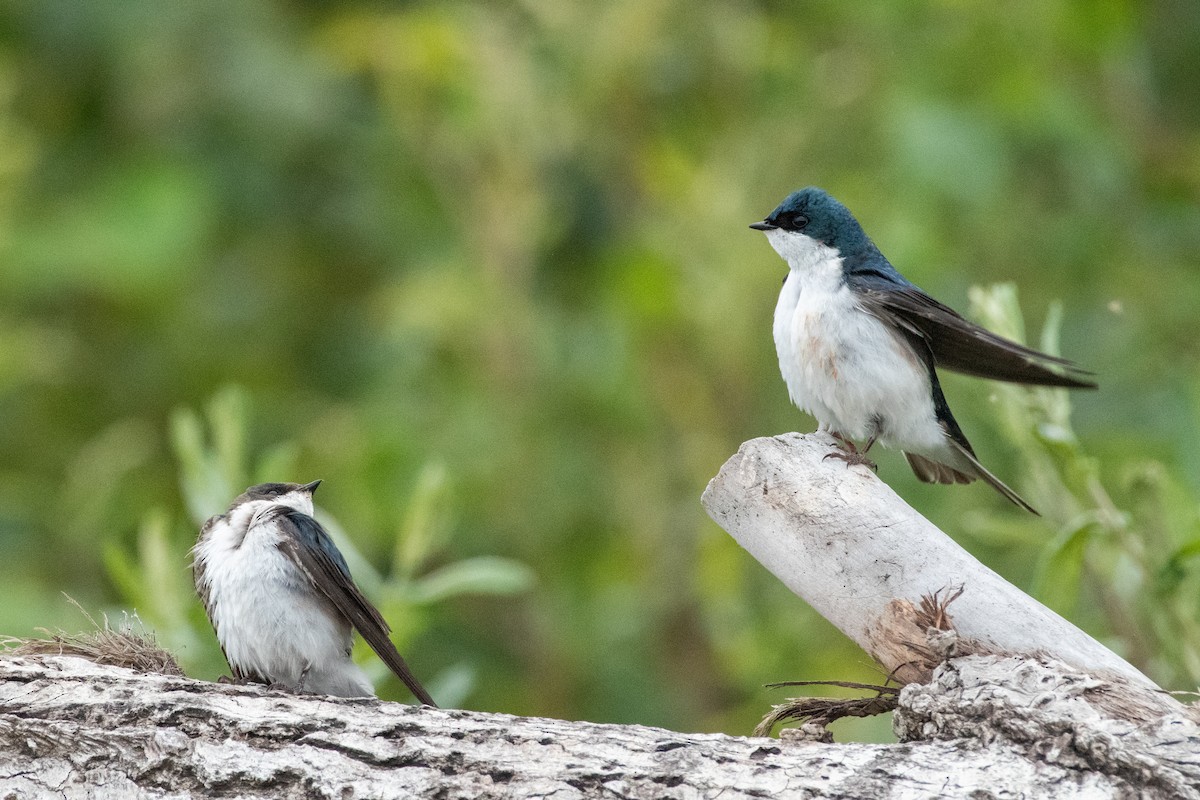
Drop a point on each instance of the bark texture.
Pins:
(1062, 716)
(985, 728)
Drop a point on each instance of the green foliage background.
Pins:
(484, 268)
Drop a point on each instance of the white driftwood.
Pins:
(996, 728)
(847, 544)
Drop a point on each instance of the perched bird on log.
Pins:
(280, 597)
(858, 345)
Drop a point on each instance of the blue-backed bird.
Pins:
(858, 345)
(280, 597)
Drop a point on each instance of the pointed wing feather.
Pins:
(198, 567)
(930, 471)
(997, 484)
(958, 344)
(309, 546)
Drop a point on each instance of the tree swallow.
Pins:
(858, 344)
(280, 597)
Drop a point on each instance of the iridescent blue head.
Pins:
(812, 212)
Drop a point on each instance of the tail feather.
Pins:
(936, 472)
(386, 651)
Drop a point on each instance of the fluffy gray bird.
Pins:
(280, 597)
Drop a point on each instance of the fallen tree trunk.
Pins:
(1004, 699)
(987, 726)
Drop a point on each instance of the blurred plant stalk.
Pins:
(1139, 562)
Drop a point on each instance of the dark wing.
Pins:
(198, 568)
(309, 546)
(931, 471)
(958, 344)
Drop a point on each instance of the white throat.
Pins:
(814, 265)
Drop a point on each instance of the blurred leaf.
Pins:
(1051, 329)
(228, 414)
(279, 464)
(1060, 567)
(1174, 570)
(452, 686)
(425, 522)
(133, 229)
(123, 571)
(997, 307)
(200, 479)
(212, 475)
(481, 575)
(158, 583)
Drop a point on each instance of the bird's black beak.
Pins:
(311, 487)
(763, 226)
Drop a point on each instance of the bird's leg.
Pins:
(851, 454)
(298, 688)
(303, 675)
(846, 441)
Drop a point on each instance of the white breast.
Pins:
(268, 618)
(841, 364)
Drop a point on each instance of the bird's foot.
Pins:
(850, 452)
(250, 680)
(234, 681)
(284, 687)
(852, 458)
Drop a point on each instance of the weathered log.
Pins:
(1004, 698)
(863, 558)
(985, 727)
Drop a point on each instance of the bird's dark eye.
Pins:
(799, 221)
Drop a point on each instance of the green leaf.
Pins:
(228, 412)
(451, 687)
(997, 308)
(160, 571)
(482, 575)
(279, 464)
(187, 440)
(1060, 566)
(211, 475)
(123, 572)
(425, 524)
(1171, 574)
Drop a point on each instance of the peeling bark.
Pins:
(1061, 716)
